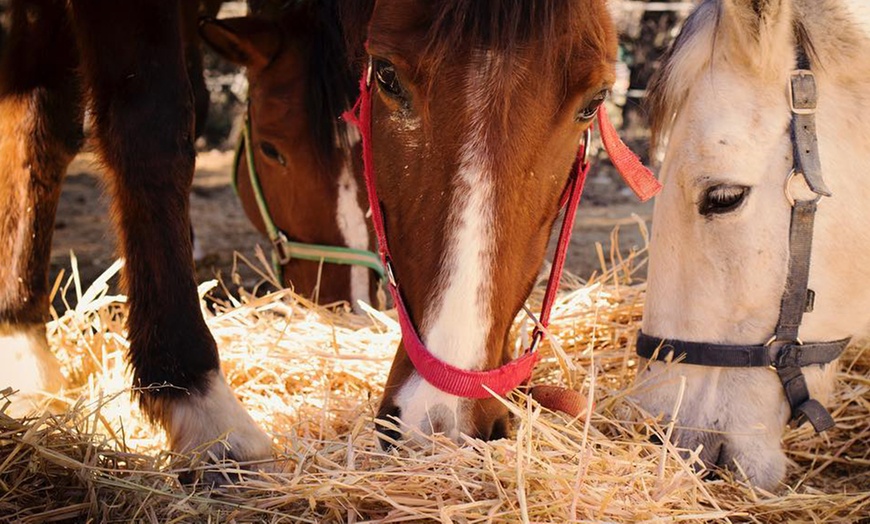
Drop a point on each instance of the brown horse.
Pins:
(125, 60)
(477, 110)
(305, 191)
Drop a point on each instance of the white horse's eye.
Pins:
(722, 199)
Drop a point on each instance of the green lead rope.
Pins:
(284, 249)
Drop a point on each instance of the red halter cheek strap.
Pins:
(474, 384)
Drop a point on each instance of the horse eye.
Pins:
(272, 152)
(722, 199)
(588, 112)
(388, 79)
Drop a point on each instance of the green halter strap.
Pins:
(284, 249)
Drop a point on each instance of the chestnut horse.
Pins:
(471, 118)
(480, 198)
(125, 60)
(755, 284)
(300, 181)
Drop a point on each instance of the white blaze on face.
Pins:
(352, 224)
(458, 323)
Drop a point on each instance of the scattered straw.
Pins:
(312, 376)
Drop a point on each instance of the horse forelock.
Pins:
(332, 83)
(515, 32)
(526, 39)
(704, 37)
(684, 62)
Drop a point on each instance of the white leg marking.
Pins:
(352, 224)
(457, 326)
(30, 368)
(216, 415)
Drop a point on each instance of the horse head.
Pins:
(304, 159)
(476, 114)
(727, 237)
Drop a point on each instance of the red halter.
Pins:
(462, 382)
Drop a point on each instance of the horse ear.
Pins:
(759, 7)
(248, 41)
(756, 14)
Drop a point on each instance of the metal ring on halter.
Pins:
(587, 145)
(369, 69)
(279, 245)
(776, 364)
(773, 339)
(787, 188)
(391, 276)
(537, 337)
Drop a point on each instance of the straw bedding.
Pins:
(312, 376)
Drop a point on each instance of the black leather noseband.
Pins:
(784, 353)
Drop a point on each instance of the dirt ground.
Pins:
(84, 226)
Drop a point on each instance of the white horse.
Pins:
(720, 251)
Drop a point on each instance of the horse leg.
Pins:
(133, 62)
(40, 133)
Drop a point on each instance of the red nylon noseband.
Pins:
(474, 384)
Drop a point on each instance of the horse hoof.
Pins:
(29, 368)
(212, 475)
(212, 426)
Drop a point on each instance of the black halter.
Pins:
(784, 352)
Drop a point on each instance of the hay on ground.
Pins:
(311, 377)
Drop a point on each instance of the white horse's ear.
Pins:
(759, 8)
(761, 29)
(757, 16)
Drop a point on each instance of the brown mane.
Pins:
(506, 27)
(510, 28)
(331, 89)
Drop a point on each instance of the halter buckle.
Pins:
(369, 69)
(279, 245)
(785, 356)
(802, 82)
(788, 356)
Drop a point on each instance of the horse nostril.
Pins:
(388, 418)
(499, 429)
(711, 475)
(713, 457)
